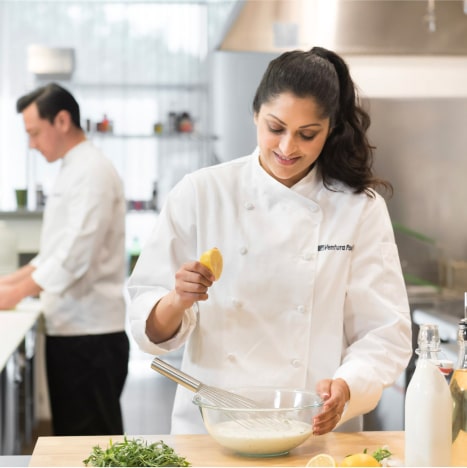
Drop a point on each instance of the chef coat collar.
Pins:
(308, 187)
(73, 152)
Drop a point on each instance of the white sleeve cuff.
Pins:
(139, 312)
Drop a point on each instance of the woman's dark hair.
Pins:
(319, 73)
(50, 100)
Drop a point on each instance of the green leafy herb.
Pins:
(381, 454)
(135, 452)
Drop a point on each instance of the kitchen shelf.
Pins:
(161, 136)
(21, 214)
(156, 86)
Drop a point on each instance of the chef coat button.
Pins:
(231, 357)
(249, 206)
(295, 363)
(307, 256)
(243, 250)
(301, 309)
(236, 303)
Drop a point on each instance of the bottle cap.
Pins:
(445, 366)
(428, 338)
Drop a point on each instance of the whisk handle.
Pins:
(175, 374)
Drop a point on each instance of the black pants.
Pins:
(86, 375)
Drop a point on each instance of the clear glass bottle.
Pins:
(428, 406)
(458, 387)
(40, 197)
(134, 252)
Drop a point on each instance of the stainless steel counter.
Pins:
(17, 350)
(15, 460)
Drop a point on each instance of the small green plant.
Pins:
(135, 452)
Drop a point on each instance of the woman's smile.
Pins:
(286, 161)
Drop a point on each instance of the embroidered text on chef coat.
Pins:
(322, 247)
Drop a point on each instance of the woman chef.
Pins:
(312, 295)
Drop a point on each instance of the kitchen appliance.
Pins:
(380, 27)
(10, 432)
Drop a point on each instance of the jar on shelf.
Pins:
(185, 123)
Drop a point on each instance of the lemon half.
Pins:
(322, 459)
(212, 259)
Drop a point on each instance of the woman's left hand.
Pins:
(335, 394)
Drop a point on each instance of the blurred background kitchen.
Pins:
(165, 87)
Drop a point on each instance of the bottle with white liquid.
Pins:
(428, 407)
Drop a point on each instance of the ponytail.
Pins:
(347, 155)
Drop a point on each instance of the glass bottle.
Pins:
(40, 197)
(428, 406)
(135, 250)
(458, 389)
(154, 201)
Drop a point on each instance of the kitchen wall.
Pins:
(422, 148)
(235, 76)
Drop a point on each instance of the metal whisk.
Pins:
(214, 395)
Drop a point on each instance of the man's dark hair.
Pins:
(50, 100)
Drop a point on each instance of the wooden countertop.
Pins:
(201, 450)
(14, 324)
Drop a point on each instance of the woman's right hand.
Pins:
(192, 282)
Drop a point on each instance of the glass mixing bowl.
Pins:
(281, 420)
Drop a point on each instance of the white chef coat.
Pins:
(312, 286)
(81, 260)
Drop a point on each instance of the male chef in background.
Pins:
(79, 271)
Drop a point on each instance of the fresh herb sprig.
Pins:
(135, 452)
(380, 454)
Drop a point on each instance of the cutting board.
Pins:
(201, 450)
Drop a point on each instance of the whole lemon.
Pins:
(360, 459)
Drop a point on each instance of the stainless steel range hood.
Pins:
(363, 27)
